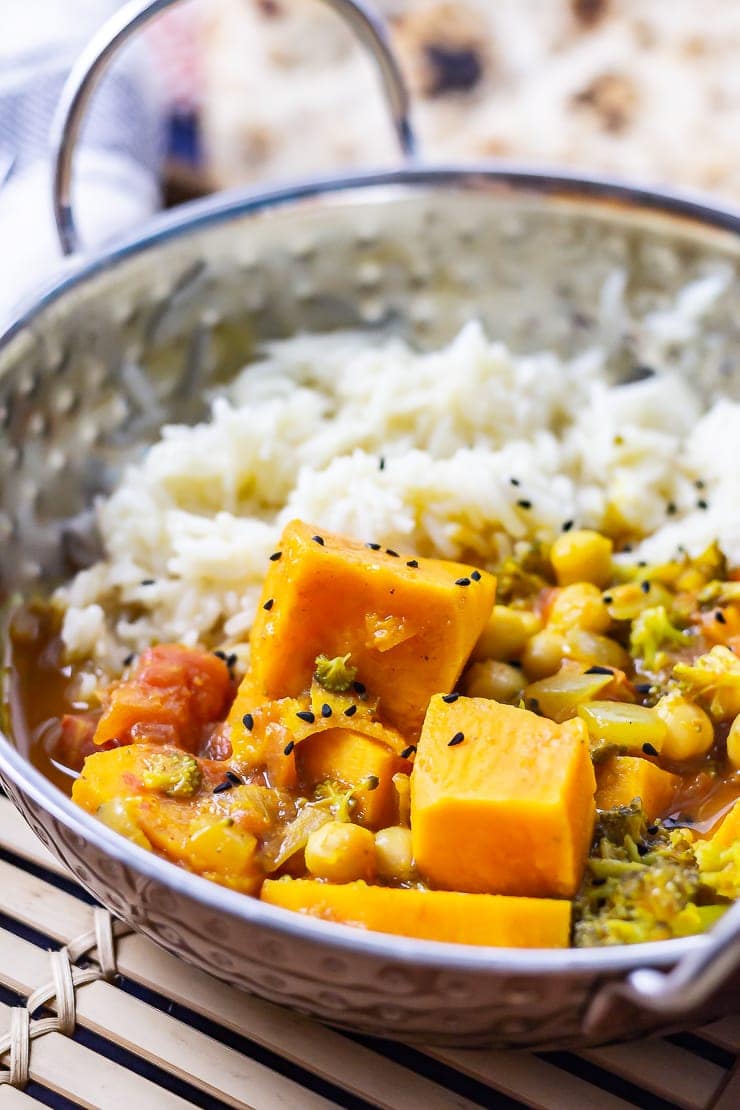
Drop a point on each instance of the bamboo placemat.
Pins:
(131, 1028)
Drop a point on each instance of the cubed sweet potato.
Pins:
(502, 801)
(483, 919)
(624, 777)
(409, 625)
(355, 762)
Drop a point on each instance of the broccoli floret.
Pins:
(176, 774)
(336, 675)
(642, 882)
(715, 674)
(651, 631)
(525, 573)
(645, 903)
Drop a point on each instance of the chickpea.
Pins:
(394, 858)
(579, 605)
(590, 648)
(341, 852)
(690, 732)
(628, 601)
(582, 556)
(543, 654)
(733, 744)
(506, 633)
(490, 679)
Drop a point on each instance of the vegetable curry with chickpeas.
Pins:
(541, 756)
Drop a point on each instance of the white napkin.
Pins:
(117, 165)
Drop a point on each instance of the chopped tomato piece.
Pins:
(172, 697)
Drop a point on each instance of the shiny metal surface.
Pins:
(362, 20)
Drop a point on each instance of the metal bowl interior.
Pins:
(135, 338)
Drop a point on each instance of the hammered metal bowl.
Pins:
(131, 338)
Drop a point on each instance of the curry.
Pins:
(540, 755)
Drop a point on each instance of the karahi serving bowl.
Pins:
(130, 338)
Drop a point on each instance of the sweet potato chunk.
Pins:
(355, 762)
(429, 914)
(502, 801)
(624, 777)
(408, 629)
(173, 693)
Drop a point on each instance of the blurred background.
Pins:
(225, 92)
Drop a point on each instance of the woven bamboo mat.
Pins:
(131, 1028)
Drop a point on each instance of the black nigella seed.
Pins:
(373, 546)
(649, 749)
(652, 830)
(645, 587)
(533, 705)
(699, 483)
(318, 540)
(719, 616)
(408, 752)
(598, 669)
(456, 739)
(390, 551)
(608, 599)
(231, 660)
(598, 882)
(289, 747)
(702, 504)
(475, 575)
(269, 604)
(325, 710)
(449, 698)
(306, 715)
(233, 778)
(221, 655)
(350, 711)
(462, 581)
(523, 503)
(642, 849)
(567, 525)
(372, 782)
(515, 481)
(643, 687)
(129, 659)
(381, 463)
(275, 556)
(223, 786)
(359, 688)
(412, 563)
(148, 581)
(671, 508)
(248, 721)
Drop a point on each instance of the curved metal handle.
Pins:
(94, 60)
(678, 992)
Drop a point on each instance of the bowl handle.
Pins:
(366, 24)
(679, 992)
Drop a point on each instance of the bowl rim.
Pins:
(595, 191)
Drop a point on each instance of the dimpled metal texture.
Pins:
(144, 337)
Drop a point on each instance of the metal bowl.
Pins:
(129, 338)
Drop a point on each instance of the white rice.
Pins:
(302, 433)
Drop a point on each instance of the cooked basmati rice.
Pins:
(480, 448)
